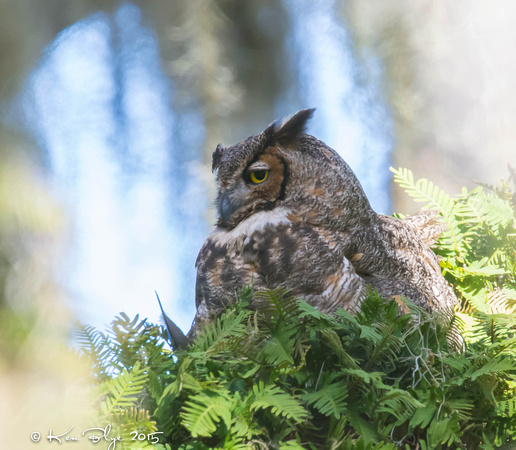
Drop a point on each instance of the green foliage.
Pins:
(374, 380)
(288, 376)
(479, 248)
(131, 367)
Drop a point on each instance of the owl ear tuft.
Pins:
(289, 129)
(216, 157)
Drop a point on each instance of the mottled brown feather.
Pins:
(309, 228)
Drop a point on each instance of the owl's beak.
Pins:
(229, 204)
(226, 208)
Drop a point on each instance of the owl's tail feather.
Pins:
(177, 338)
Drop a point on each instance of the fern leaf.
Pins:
(494, 367)
(492, 209)
(291, 445)
(498, 302)
(96, 347)
(370, 334)
(155, 387)
(202, 413)
(335, 343)
(277, 303)
(308, 311)
(444, 432)
(279, 402)
(462, 407)
(367, 377)
(423, 416)
(424, 191)
(457, 361)
(279, 348)
(475, 295)
(124, 389)
(243, 425)
(213, 337)
(399, 403)
(494, 327)
(134, 418)
(329, 400)
(479, 268)
(507, 407)
(364, 429)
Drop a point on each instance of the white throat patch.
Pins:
(257, 222)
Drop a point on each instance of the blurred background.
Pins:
(109, 113)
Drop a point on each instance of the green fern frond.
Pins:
(494, 367)
(96, 346)
(368, 435)
(135, 422)
(318, 319)
(124, 331)
(366, 377)
(507, 407)
(462, 407)
(183, 380)
(399, 403)
(277, 303)
(370, 334)
(136, 416)
(444, 432)
(475, 295)
(291, 445)
(123, 390)
(330, 399)
(213, 337)
(424, 191)
(244, 425)
(479, 268)
(350, 443)
(279, 347)
(498, 302)
(280, 403)
(389, 346)
(493, 328)
(424, 415)
(335, 344)
(203, 411)
(492, 210)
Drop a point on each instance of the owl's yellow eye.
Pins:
(258, 176)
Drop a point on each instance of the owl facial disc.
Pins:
(252, 176)
(246, 193)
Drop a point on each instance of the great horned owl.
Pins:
(292, 214)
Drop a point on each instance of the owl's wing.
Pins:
(427, 225)
(208, 268)
(405, 265)
(206, 265)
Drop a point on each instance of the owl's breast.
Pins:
(270, 250)
(225, 265)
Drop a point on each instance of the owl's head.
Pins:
(283, 167)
